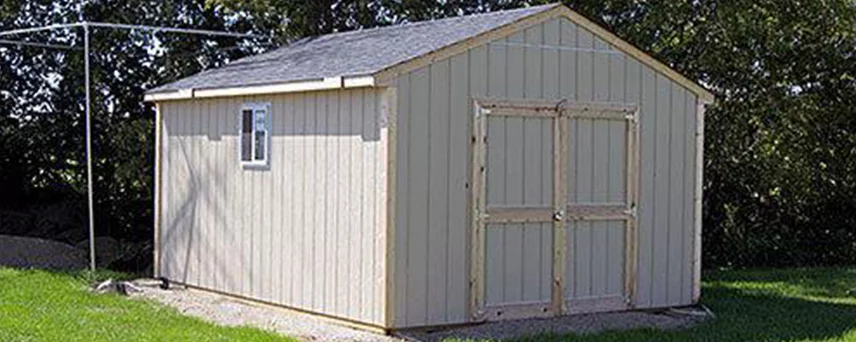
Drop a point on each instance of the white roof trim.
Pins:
(328, 83)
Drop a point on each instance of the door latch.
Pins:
(559, 216)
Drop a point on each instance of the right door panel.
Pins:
(601, 223)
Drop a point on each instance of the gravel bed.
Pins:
(230, 312)
(577, 324)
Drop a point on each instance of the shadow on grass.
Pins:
(823, 283)
(784, 306)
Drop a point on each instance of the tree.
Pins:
(42, 160)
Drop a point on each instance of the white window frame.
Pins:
(254, 163)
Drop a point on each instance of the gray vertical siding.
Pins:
(434, 123)
(304, 233)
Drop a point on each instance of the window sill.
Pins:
(255, 165)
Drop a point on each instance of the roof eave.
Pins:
(327, 83)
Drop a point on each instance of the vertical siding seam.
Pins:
(523, 195)
(221, 119)
(541, 91)
(525, 92)
(653, 225)
(606, 225)
(321, 112)
(198, 223)
(253, 226)
(362, 94)
(561, 60)
(271, 223)
(541, 64)
(448, 187)
(283, 217)
(239, 194)
(337, 239)
(576, 67)
(669, 191)
(505, 172)
(297, 286)
(641, 147)
(469, 188)
(590, 226)
(576, 225)
(627, 187)
(610, 97)
(682, 224)
(591, 196)
(407, 191)
(428, 199)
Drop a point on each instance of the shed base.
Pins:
(271, 305)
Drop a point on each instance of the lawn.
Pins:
(43, 306)
(817, 304)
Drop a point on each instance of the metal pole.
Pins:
(89, 150)
(173, 30)
(37, 29)
(39, 45)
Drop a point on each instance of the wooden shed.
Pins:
(522, 163)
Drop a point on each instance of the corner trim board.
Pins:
(697, 200)
(389, 104)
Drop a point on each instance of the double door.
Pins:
(553, 218)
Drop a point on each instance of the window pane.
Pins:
(246, 135)
(260, 145)
(260, 130)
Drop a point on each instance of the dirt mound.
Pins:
(28, 252)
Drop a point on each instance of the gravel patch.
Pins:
(227, 311)
(577, 324)
(29, 252)
(230, 312)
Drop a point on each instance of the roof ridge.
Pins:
(304, 40)
(430, 21)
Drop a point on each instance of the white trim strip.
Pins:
(358, 81)
(328, 83)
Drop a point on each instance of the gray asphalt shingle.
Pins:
(353, 53)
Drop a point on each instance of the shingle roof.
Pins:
(354, 53)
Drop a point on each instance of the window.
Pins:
(255, 135)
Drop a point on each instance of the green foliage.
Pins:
(42, 155)
(780, 161)
(43, 306)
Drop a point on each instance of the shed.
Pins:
(522, 163)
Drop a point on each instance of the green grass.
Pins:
(817, 304)
(45, 306)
